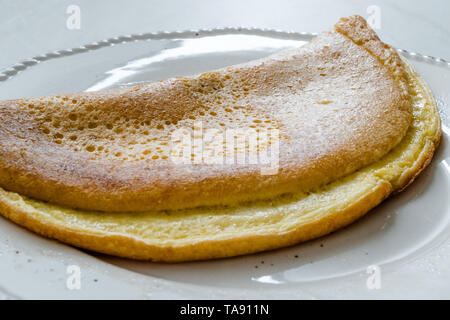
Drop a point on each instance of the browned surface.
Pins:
(340, 103)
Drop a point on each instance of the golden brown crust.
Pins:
(336, 215)
(95, 150)
(324, 211)
(356, 29)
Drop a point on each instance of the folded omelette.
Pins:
(99, 170)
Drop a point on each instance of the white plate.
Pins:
(407, 237)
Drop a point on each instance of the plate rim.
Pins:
(22, 65)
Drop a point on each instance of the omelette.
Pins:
(342, 123)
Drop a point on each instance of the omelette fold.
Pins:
(355, 123)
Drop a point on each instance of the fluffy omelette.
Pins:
(356, 124)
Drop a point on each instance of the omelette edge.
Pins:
(18, 209)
